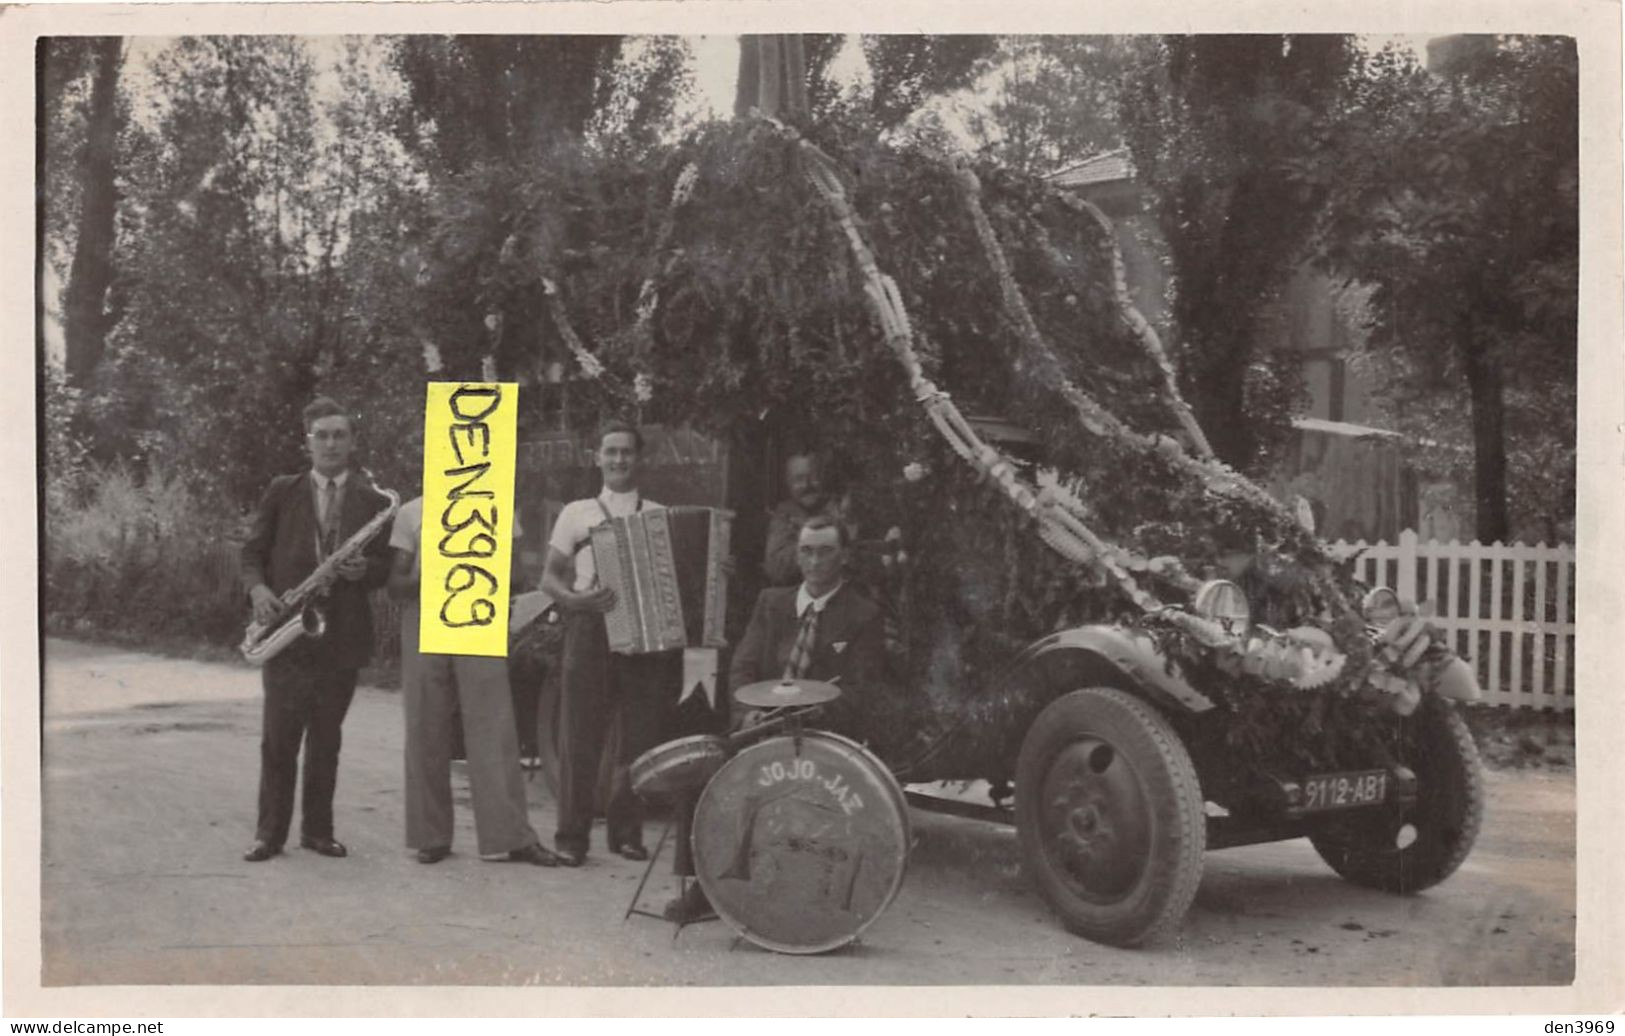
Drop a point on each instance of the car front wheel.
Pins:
(1408, 849)
(1109, 815)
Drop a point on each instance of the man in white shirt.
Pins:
(600, 691)
(433, 685)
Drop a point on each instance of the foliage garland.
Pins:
(753, 330)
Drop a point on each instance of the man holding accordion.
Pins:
(599, 688)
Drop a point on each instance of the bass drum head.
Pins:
(801, 843)
(680, 766)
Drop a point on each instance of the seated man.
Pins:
(823, 629)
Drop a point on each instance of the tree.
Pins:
(372, 198)
(254, 214)
(1215, 124)
(908, 69)
(1054, 100)
(487, 116)
(823, 92)
(88, 312)
(772, 75)
(1454, 199)
(502, 98)
(650, 77)
(789, 73)
(220, 236)
(64, 92)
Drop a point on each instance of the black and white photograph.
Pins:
(1009, 508)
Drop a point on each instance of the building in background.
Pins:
(1352, 471)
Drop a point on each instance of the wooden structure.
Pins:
(1509, 609)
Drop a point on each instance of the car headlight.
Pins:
(1380, 607)
(1224, 603)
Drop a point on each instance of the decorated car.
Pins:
(1143, 653)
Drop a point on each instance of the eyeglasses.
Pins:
(328, 436)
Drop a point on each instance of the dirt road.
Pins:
(149, 782)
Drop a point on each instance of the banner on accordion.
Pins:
(667, 568)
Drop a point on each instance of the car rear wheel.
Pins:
(1109, 815)
(1408, 849)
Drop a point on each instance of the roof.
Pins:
(1355, 431)
(1107, 167)
(1359, 431)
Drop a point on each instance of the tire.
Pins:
(1371, 850)
(1109, 815)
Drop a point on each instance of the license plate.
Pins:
(1326, 791)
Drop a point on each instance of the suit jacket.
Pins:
(850, 644)
(281, 551)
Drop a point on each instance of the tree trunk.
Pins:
(772, 76)
(1217, 390)
(770, 63)
(748, 91)
(85, 318)
(1484, 383)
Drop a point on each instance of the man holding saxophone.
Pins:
(307, 522)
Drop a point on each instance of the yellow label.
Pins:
(469, 456)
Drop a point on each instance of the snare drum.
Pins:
(679, 766)
(801, 842)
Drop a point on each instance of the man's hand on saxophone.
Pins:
(353, 567)
(266, 604)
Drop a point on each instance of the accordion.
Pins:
(666, 568)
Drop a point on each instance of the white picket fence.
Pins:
(1509, 609)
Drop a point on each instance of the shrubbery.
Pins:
(140, 556)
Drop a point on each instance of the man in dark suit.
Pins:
(823, 629)
(309, 684)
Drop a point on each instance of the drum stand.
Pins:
(682, 889)
(654, 857)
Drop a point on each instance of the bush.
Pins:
(147, 557)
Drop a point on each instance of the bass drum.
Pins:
(801, 842)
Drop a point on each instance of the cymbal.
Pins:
(774, 694)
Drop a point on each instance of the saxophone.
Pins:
(302, 604)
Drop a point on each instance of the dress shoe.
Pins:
(693, 905)
(570, 857)
(325, 846)
(259, 852)
(534, 853)
(631, 851)
(434, 853)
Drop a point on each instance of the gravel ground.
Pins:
(150, 767)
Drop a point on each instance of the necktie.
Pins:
(801, 651)
(330, 515)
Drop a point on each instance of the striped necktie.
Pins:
(330, 516)
(801, 651)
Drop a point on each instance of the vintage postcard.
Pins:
(681, 508)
